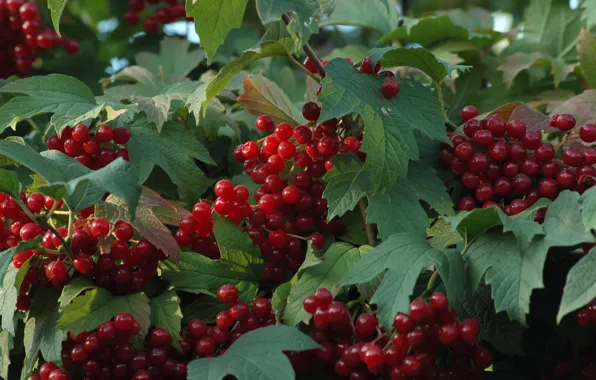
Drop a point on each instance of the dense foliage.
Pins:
(358, 189)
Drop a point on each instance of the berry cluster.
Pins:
(127, 267)
(23, 37)
(107, 353)
(586, 317)
(93, 149)
(171, 11)
(427, 344)
(507, 165)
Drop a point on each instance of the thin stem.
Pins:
(62, 240)
(33, 125)
(442, 101)
(307, 49)
(70, 221)
(301, 67)
(24, 208)
(432, 281)
(370, 231)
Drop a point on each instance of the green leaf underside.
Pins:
(56, 8)
(338, 259)
(514, 274)
(41, 329)
(275, 42)
(580, 288)
(263, 96)
(67, 98)
(402, 258)
(416, 57)
(8, 300)
(86, 312)
(6, 345)
(244, 358)
(214, 19)
(390, 123)
(9, 183)
(199, 274)
(173, 150)
(166, 313)
(146, 222)
(236, 248)
(397, 209)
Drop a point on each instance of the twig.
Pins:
(370, 231)
(301, 67)
(442, 101)
(307, 49)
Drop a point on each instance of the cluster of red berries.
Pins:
(581, 367)
(93, 149)
(506, 165)
(107, 354)
(390, 87)
(23, 37)
(171, 11)
(427, 344)
(586, 317)
(288, 165)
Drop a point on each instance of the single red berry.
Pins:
(390, 88)
(469, 329)
(265, 123)
(104, 134)
(516, 129)
(72, 46)
(29, 231)
(228, 294)
(531, 140)
(160, 337)
(545, 152)
(565, 122)
(438, 301)
(317, 240)
(572, 157)
(100, 228)
(151, 24)
(496, 125)
(121, 135)
(484, 192)
(367, 68)
(448, 334)
(466, 203)
(323, 297)
(469, 112)
(411, 366)
(403, 323)
(311, 111)
(587, 133)
(483, 138)
(224, 189)
(418, 311)
(365, 326)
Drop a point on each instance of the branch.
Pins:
(307, 49)
(370, 231)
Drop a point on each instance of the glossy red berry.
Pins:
(469, 329)
(516, 129)
(100, 228)
(390, 88)
(565, 122)
(469, 112)
(228, 294)
(587, 133)
(311, 111)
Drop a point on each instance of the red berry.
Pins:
(317, 240)
(418, 311)
(323, 297)
(466, 203)
(72, 46)
(100, 228)
(483, 138)
(29, 231)
(58, 374)
(228, 294)
(438, 301)
(548, 188)
(496, 125)
(448, 334)
(566, 179)
(160, 337)
(469, 112)
(587, 133)
(464, 151)
(545, 152)
(531, 140)
(224, 189)
(565, 122)
(469, 329)
(522, 183)
(403, 323)
(365, 326)
(367, 68)
(265, 123)
(121, 135)
(104, 134)
(311, 111)
(205, 346)
(390, 88)
(411, 366)
(484, 192)
(516, 129)
(572, 157)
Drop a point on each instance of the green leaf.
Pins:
(41, 329)
(69, 99)
(416, 57)
(118, 178)
(587, 56)
(472, 225)
(73, 289)
(588, 201)
(589, 13)
(8, 300)
(390, 123)
(173, 150)
(262, 96)
(553, 26)
(236, 248)
(174, 57)
(514, 274)
(56, 8)
(305, 15)
(338, 259)
(466, 87)
(158, 107)
(441, 235)
(199, 274)
(279, 299)
(98, 305)
(166, 313)
(22, 272)
(375, 14)
(244, 358)
(498, 330)
(146, 222)
(402, 258)
(397, 209)
(580, 288)
(274, 43)
(9, 183)
(6, 344)
(214, 19)
(429, 31)
(520, 61)
(7, 255)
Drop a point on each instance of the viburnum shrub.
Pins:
(286, 201)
